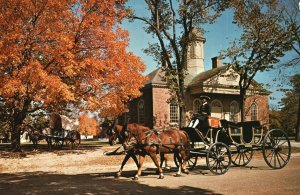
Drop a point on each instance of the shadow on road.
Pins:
(97, 183)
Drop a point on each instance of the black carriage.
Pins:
(250, 136)
(223, 142)
(203, 132)
(71, 138)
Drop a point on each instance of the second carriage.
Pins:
(223, 143)
(70, 138)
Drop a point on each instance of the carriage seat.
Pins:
(225, 123)
(214, 122)
(242, 130)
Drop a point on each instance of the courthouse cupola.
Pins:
(195, 55)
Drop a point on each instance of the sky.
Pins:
(218, 37)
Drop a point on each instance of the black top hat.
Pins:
(204, 97)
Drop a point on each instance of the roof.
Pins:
(156, 77)
(206, 75)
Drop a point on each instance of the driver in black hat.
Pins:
(205, 107)
(204, 113)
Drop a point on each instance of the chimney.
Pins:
(216, 62)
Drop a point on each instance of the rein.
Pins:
(158, 143)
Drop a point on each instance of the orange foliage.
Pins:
(67, 51)
(88, 126)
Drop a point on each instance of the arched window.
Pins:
(234, 111)
(253, 111)
(196, 106)
(217, 109)
(141, 112)
(174, 113)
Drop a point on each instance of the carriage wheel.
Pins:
(191, 162)
(76, 143)
(218, 158)
(242, 156)
(58, 144)
(69, 143)
(75, 139)
(276, 148)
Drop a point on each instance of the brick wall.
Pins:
(262, 102)
(161, 112)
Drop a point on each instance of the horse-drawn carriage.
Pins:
(223, 142)
(70, 138)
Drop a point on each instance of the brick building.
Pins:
(220, 83)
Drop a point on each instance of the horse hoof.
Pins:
(117, 175)
(161, 177)
(186, 172)
(177, 175)
(135, 178)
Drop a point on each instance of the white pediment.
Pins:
(224, 78)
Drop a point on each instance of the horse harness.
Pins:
(127, 132)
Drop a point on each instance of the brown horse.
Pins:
(169, 141)
(120, 132)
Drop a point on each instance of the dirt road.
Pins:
(89, 172)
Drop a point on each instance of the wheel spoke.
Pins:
(283, 159)
(273, 156)
(238, 154)
(278, 160)
(269, 154)
(282, 143)
(247, 156)
(283, 153)
(223, 166)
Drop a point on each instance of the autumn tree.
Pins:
(292, 21)
(261, 44)
(172, 22)
(88, 125)
(290, 105)
(60, 52)
(275, 119)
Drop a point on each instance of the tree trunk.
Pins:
(181, 116)
(15, 138)
(242, 104)
(17, 120)
(181, 102)
(297, 137)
